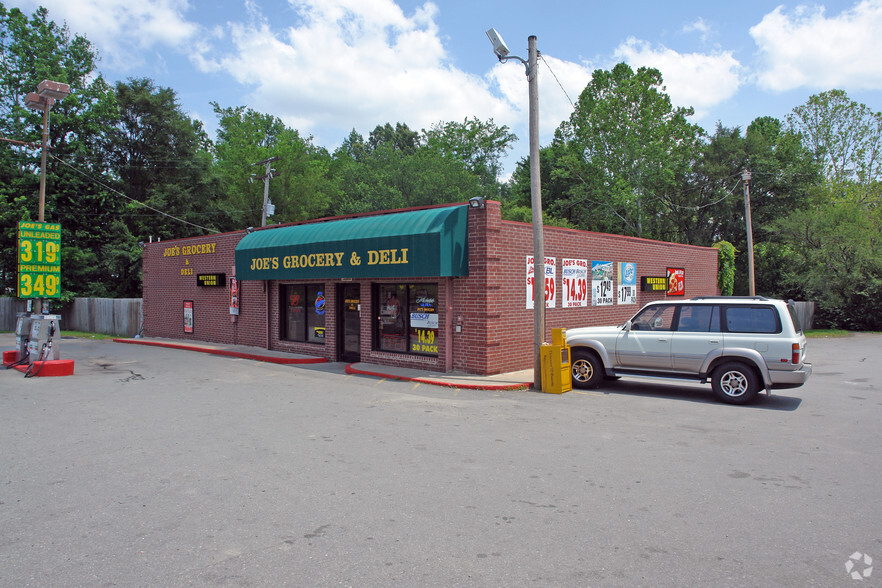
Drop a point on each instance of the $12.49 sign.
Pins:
(39, 260)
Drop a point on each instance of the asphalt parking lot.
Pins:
(160, 467)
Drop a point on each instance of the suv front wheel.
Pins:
(735, 383)
(587, 369)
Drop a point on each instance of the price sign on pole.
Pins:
(39, 260)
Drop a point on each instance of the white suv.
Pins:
(742, 344)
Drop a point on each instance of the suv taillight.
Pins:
(795, 358)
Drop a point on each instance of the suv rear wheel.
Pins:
(735, 382)
(587, 369)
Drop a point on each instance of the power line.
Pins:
(115, 191)
(542, 57)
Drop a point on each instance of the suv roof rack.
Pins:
(729, 298)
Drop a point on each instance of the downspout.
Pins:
(448, 326)
(266, 290)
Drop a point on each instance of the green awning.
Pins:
(418, 243)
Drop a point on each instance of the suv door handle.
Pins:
(714, 341)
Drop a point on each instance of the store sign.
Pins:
(575, 282)
(188, 316)
(424, 320)
(406, 244)
(627, 293)
(211, 280)
(39, 260)
(550, 284)
(234, 296)
(602, 283)
(676, 281)
(653, 284)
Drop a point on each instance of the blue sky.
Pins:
(328, 66)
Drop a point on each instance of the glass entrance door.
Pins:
(349, 322)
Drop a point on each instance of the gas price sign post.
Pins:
(39, 277)
(39, 260)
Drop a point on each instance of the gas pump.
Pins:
(22, 336)
(44, 329)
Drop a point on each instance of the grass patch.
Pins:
(819, 333)
(82, 335)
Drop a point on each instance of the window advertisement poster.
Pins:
(423, 307)
(676, 281)
(188, 316)
(602, 293)
(627, 293)
(574, 273)
(234, 296)
(550, 285)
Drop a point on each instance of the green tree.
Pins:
(478, 145)
(846, 137)
(303, 189)
(393, 169)
(784, 178)
(162, 160)
(620, 157)
(33, 49)
(833, 246)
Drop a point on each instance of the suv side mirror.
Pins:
(627, 326)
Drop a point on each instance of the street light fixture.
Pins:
(502, 53)
(43, 99)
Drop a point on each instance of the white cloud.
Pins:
(701, 27)
(560, 84)
(699, 80)
(351, 64)
(122, 29)
(809, 49)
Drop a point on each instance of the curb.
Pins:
(507, 387)
(226, 353)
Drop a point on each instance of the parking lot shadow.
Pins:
(695, 393)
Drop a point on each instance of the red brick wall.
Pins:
(488, 307)
(492, 300)
(170, 269)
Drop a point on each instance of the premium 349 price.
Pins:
(39, 260)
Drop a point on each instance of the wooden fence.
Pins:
(806, 313)
(110, 316)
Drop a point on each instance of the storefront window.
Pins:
(408, 318)
(303, 308)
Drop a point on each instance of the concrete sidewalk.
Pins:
(520, 380)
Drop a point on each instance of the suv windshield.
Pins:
(654, 318)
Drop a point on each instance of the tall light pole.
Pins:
(43, 99)
(502, 53)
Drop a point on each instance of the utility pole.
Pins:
(536, 204)
(270, 173)
(745, 177)
(531, 64)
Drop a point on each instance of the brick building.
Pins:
(442, 288)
